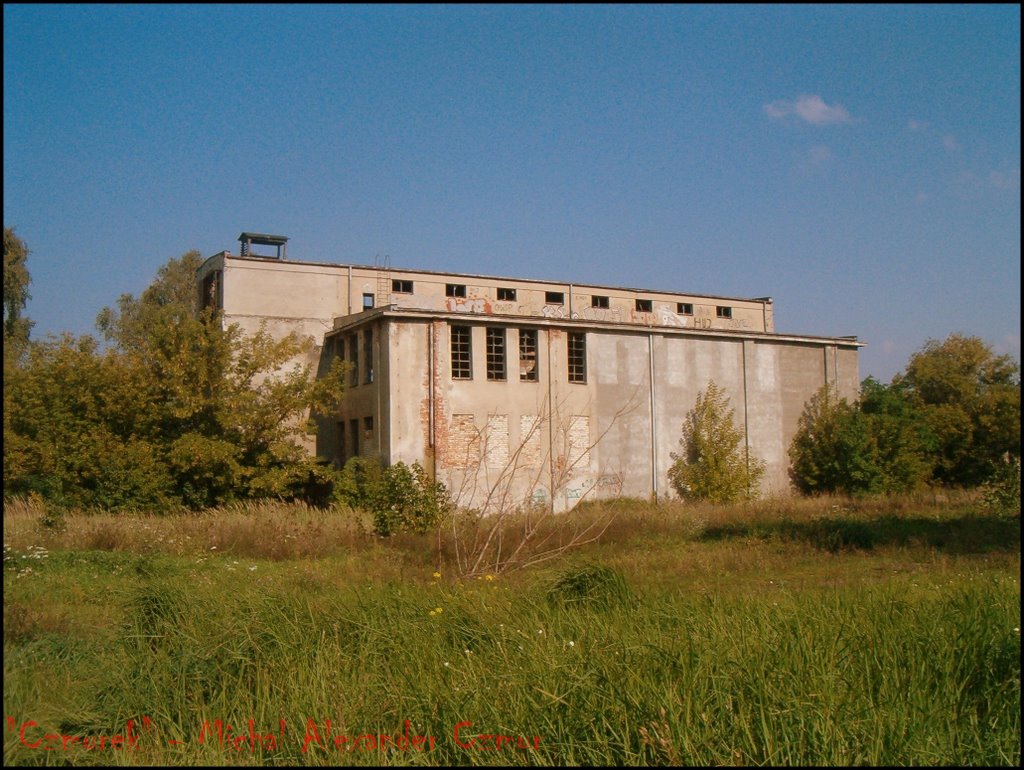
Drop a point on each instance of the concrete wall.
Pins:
(612, 435)
(496, 443)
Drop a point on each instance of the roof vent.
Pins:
(248, 240)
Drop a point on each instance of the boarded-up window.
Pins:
(530, 440)
(463, 442)
(496, 437)
(578, 441)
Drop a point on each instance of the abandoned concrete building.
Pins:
(508, 389)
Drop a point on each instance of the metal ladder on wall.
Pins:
(383, 267)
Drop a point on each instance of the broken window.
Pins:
(723, 311)
(528, 355)
(212, 296)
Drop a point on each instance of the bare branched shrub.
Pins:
(507, 530)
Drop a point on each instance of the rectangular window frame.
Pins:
(401, 286)
(684, 308)
(576, 357)
(644, 305)
(455, 290)
(723, 311)
(506, 294)
(600, 301)
(461, 338)
(554, 298)
(529, 361)
(496, 347)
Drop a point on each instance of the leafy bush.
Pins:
(401, 497)
(714, 466)
(1001, 493)
(832, 449)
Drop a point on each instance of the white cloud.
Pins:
(810, 109)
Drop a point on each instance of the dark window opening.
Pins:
(528, 355)
(353, 357)
(368, 355)
(577, 357)
(455, 290)
(367, 427)
(644, 306)
(401, 286)
(506, 295)
(339, 430)
(599, 301)
(462, 353)
(495, 354)
(723, 311)
(554, 298)
(353, 429)
(212, 296)
(684, 308)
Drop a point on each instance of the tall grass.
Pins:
(837, 658)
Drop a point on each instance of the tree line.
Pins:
(167, 408)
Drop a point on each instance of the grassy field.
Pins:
(788, 632)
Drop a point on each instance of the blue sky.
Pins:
(859, 164)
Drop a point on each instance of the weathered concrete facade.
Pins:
(509, 389)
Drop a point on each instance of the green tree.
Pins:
(73, 430)
(16, 282)
(903, 441)
(176, 411)
(833, 449)
(714, 465)
(969, 397)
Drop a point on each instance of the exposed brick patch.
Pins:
(496, 441)
(530, 429)
(462, 449)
